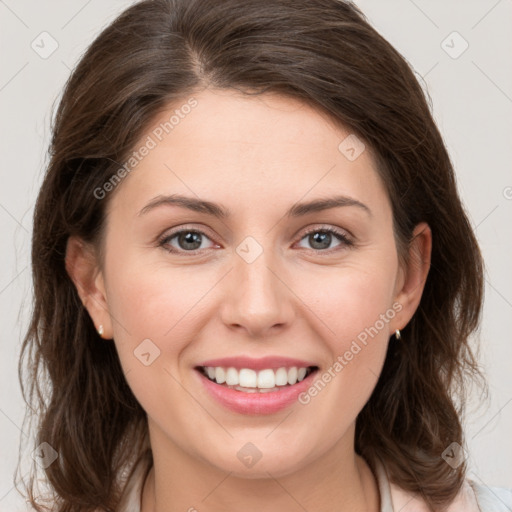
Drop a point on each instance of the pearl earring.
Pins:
(100, 330)
(397, 334)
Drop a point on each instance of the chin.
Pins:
(277, 465)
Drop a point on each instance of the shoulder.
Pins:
(492, 499)
(472, 497)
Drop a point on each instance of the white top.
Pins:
(473, 497)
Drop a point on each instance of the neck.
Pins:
(339, 480)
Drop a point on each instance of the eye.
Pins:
(187, 240)
(321, 238)
(191, 240)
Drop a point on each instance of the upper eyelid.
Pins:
(172, 233)
(327, 227)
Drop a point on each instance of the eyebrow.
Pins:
(217, 210)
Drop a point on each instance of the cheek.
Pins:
(353, 301)
(152, 326)
(145, 314)
(156, 313)
(355, 310)
(357, 315)
(154, 302)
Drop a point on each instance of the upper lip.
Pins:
(262, 363)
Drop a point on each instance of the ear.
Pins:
(412, 279)
(83, 269)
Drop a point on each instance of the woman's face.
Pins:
(257, 282)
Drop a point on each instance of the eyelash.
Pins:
(338, 234)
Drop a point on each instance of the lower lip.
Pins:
(255, 403)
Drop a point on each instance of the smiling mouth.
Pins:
(248, 380)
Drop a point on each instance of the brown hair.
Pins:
(323, 52)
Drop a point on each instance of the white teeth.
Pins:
(220, 375)
(292, 375)
(232, 377)
(266, 379)
(281, 377)
(252, 379)
(248, 378)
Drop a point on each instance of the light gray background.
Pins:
(472, 100)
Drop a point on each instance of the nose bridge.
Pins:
(258, 298)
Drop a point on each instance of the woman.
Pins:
(254, 278)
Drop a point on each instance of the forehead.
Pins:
(233, 148)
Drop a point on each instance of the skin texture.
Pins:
(257, 156)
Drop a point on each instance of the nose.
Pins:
(257, 299)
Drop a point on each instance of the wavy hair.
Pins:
(325, 53)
